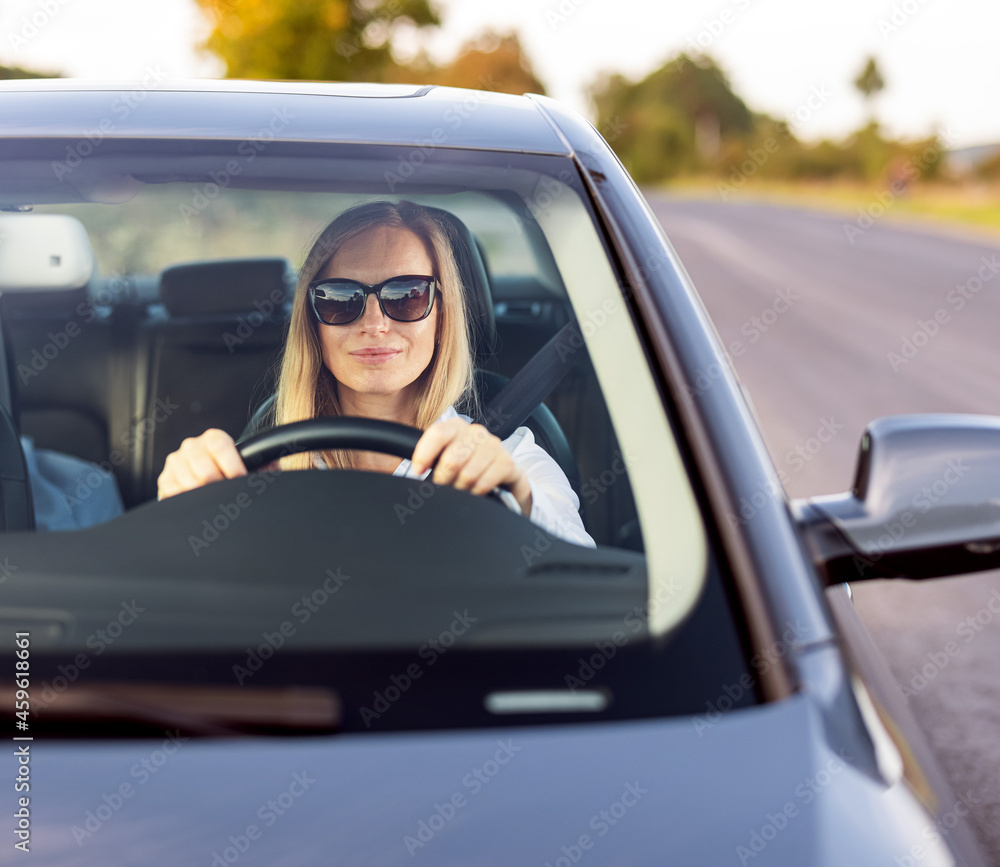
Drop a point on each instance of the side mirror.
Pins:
(925, 502)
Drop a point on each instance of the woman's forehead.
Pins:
(378, 249)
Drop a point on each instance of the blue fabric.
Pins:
(69, 493)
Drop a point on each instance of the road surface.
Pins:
(831, 322)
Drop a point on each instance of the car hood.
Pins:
(753, 786)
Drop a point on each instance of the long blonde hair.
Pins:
(306, 387)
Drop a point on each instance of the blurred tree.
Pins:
(867, 153)
(870, 82)
(674, 120)
(11, 72)
(923, 159)
(823, 160)
(324, 40)
(489, 62)
(989, 169)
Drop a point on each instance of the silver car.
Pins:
(344, 667)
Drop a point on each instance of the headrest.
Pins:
(44, 253)
(224, 286)
(472, 269)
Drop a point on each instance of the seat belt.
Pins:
(8, 394)
(534, 382)
(123, 410)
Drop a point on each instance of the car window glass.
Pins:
(549, 266)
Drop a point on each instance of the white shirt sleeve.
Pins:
(555, 506)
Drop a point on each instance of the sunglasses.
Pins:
(408, 298)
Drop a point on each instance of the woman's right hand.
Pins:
(210, 457)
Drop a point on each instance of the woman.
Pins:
(400, 352)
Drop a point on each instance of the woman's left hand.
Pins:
(470, 458)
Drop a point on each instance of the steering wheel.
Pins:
(340, 432)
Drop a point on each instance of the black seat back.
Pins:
(210, 356)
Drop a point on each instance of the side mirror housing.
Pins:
(925, 502)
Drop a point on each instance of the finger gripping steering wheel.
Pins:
(339, 432)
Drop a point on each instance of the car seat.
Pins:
(46, 263)
(210, 356)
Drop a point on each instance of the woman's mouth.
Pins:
(374, 355)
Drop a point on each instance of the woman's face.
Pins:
(375, 355)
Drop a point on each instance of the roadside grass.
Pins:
(968, 206)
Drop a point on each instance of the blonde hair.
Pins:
(306, 387)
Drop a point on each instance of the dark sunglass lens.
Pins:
(338, 303)
(406, 300)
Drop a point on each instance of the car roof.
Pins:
(389, 114)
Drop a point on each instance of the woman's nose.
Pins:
(373, 317)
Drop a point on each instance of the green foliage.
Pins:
(659, 116)
(316, 40)
(870, 81)
(352, 40)
(491, 61)
(867, 153)
(823, 160)
(8, 73)
(923, 159)
(658, 142)
(659, 131)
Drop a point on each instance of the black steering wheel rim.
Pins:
(339, 432)
(336, 432)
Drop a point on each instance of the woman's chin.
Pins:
(378, 384)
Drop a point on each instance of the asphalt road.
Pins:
(831, 322)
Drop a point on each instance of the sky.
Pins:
(794, 59)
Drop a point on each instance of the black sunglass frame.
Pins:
(376, 290)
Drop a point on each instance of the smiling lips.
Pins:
(374, 355)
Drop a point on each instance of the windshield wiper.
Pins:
(198, 710)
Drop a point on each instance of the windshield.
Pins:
(356, 582)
